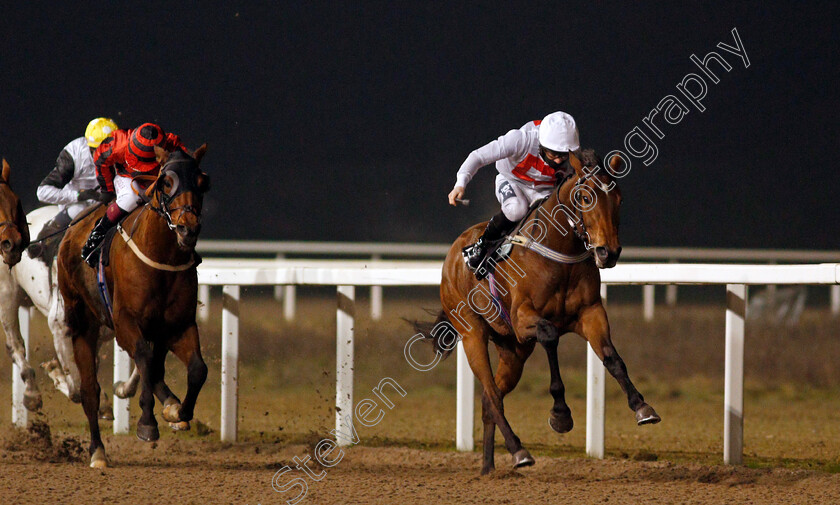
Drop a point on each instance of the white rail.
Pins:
(376, 250)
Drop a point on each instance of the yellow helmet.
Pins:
(98, 130)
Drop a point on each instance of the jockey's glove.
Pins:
(95, 194)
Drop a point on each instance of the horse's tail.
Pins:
(439, 336)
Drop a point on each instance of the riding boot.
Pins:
(496, 229)
(90, 251)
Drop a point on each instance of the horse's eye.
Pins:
(586, 199)
(167, 184)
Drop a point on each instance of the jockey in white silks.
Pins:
(72, 183)
(529, 161)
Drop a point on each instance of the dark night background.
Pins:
(348, 121)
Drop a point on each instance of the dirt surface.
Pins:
(287, 381)
(210, 472)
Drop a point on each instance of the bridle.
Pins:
(579, 228)
(165, 200)
(8, 223)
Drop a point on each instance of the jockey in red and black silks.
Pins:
(125, 163)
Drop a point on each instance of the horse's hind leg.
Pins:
(508, 373)
(188, 350)
(561, 416)
(475, 347)
(85, 355)
(594, 327)
(17, 351)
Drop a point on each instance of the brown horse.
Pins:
(549, 286)
(14, 232)
(153, 282)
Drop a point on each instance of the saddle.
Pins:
(500, 250)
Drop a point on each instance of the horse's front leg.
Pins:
(560, 419)
(594, 327)
(147, 427)
(530, 326)
(17, 351)
(188, 349)
(64, 372)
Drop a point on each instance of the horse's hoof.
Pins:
(99, 460)
(180, 426)
(172, 412)
(560, 423)
(646, 415)
(522, 458)
(32, 401)
(119, 390)
(148, 433)
(106, 413)
(487, 469)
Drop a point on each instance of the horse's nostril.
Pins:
(181, 229)
(601, 252)
(6, 245)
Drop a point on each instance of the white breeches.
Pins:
(516, 198)
(127, 190)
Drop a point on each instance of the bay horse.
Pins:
(549, 286)
(151, 276)
(14, 233)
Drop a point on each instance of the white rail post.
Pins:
(278, 289)
(465, 402)
(733, 396)
(375, 295)
(19, 414)
(203, 303)
(344, 322)
(595, 398)
(122, 371)
(671, 292)
(289, 302)
(230, 363)
(649, 300)
(835, 299)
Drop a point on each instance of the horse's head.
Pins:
(597, 199)
(14, 231)
(179, 191)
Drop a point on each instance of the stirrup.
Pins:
(92, 258)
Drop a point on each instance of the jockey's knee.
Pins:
(514, 209)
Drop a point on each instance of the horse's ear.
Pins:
(199, 153)
(615, 163)
(161, 155)
(6, 170)
(575, 163)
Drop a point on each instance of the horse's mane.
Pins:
(589, 158)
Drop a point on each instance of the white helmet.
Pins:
(559, 133)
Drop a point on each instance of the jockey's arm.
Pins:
(509, 144)
(103, 160)
(53, 189)
(173, 142)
